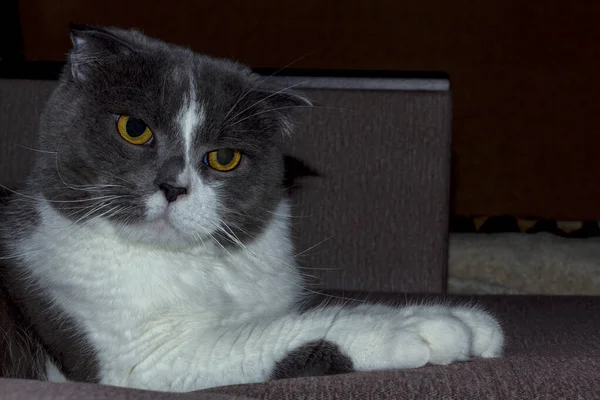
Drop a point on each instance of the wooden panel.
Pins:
(526, 105)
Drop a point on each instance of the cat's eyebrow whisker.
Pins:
(262, 81)
(289, 107)
(264, 99)
(267, 111)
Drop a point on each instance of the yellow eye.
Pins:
(134, 130)
(223, 159)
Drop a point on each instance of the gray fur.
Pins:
(313, 359)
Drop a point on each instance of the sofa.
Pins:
(369, 177)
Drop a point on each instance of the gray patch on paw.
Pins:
(313, 359)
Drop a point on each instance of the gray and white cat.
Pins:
(151, 247)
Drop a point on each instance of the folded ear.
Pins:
(283, 96)
(93, 46)
(283, 101)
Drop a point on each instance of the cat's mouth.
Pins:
(164, 224)
(174, 225)
(164, 232)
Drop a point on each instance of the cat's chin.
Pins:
(163, 233)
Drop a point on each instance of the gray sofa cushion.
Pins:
(377, 217)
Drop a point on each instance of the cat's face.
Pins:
(163, 145)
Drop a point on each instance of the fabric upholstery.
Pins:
(377, 217)
(24, 389)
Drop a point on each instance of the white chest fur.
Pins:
(121, 292)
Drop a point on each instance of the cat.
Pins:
(151, 247)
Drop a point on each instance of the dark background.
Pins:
(524, 75)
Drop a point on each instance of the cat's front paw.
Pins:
(460, 334)
(487, 337)
(431, 335)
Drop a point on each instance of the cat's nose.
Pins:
(172, 192)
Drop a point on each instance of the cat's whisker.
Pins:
(234, 238)
(124, 224)
(287, 108)
(290, 215)
(56, 154)
(231, 235)
(99, 186)
(261, 82)
(331, 296)
(246, 215)
(264, 99)
(84, 216)
(219, 244)
(42, 199)
(92, 209)
(319, 268)
(255, 257)
(270, 110)
(36, 150)
(115, 211)
(83, 188)
(315, 245)
(56, 161)
(238, 242)
(105, 213)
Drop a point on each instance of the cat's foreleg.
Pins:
(324, 340)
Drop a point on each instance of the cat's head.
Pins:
(165, 145)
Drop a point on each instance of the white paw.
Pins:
(414, 336)
(448, 338)
(459, 333)
(413, 341)
(488, 339)
(449, 334)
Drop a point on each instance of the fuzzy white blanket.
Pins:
(516, 263)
